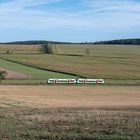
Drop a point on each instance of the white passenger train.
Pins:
(62, 81)
(75, 81)
(90, 81)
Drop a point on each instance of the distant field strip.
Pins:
(8, 49)
(33, 72)
(73, 49)
(104, 67)
(96, 50)
(118, 64)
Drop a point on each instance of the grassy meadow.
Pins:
(37, 76)
(117, 64)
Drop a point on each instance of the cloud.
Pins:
(27, 3)
(110, 6)
(89, 15)
(14, 14)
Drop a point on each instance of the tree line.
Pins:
(35, 42)
(121, 42)
(38, 42)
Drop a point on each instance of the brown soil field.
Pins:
(72, 96)
(15, 75)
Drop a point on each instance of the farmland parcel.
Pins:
(61, 112)
(117, 64)
(70, 112)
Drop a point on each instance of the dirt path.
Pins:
(55, 96)
(15, 75)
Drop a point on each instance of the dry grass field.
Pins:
(69, 113)
(15, 75)
(73, 96)
(95, 50)
(20, 49)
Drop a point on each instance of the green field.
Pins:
(37, 75)
(117, 64)
(105, 67)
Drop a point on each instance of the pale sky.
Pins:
(69, 20)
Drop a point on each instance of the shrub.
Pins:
(3, 74)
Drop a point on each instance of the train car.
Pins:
(75, 81)
(61, 81)
(90, 81)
